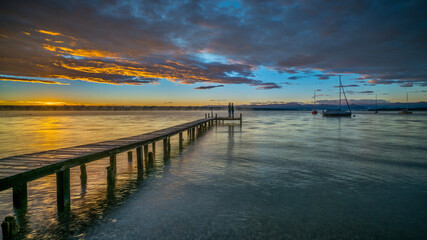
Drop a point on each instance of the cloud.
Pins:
(381, 40)
(208, 87)
(366, 92)
(30, 80)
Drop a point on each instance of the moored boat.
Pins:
(339, 112)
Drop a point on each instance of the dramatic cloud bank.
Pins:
(142, 42)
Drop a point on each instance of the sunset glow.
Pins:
(251, 56)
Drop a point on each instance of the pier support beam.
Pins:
(113, 162)
(63, 191)
(150, 159)
(165, 148)
(83, 175)
(145, 154)
(139, 160)
(180, 140)
(111, 177)
(20, 196)
(241, 119)
(130, 156)
(153, 148)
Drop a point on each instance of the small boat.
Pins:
(405, 111)
(314, 112)
(339, 112)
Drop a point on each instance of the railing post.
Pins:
(20, 196)
(63, 190)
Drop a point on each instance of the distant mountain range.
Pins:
(360, 105)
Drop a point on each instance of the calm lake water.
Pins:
(281, 175)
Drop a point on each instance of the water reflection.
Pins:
(282, 174)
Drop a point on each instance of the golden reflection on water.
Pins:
(38, 131)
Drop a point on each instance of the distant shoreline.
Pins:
(153, 108)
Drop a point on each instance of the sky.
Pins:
(181, 53)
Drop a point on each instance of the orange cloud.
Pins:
(50, 32)
(90, 53)
(32, 80)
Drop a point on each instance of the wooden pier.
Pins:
(17, 171)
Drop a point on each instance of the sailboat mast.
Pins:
(340, 90)
(314, 100)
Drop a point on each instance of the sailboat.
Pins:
(314, 112)
(405, 111)
(339, 112)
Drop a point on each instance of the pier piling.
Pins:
(130, 156)
(83, 174)
(20, 196)
(9, 228)
(63, 190)
(139, 160)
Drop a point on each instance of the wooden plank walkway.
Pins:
(17, 170)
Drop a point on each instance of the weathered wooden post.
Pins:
(216, 118)
(20, 196)
(206, 116)
(180, 140)
(241, 119)
(153, 148)
(165, 148)
(150, 159)
(113, 163)
(9, 228)
(169, 146)
(193, 133)
(145, 154)
(83, 174)
(63, 190)
(111, 176)
(129, 156)
(139, 160)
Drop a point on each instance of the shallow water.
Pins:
(279, 175)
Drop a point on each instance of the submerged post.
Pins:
(9, 228)
(20, 196)
(83, 174)
(130, 156)
(63, 190)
